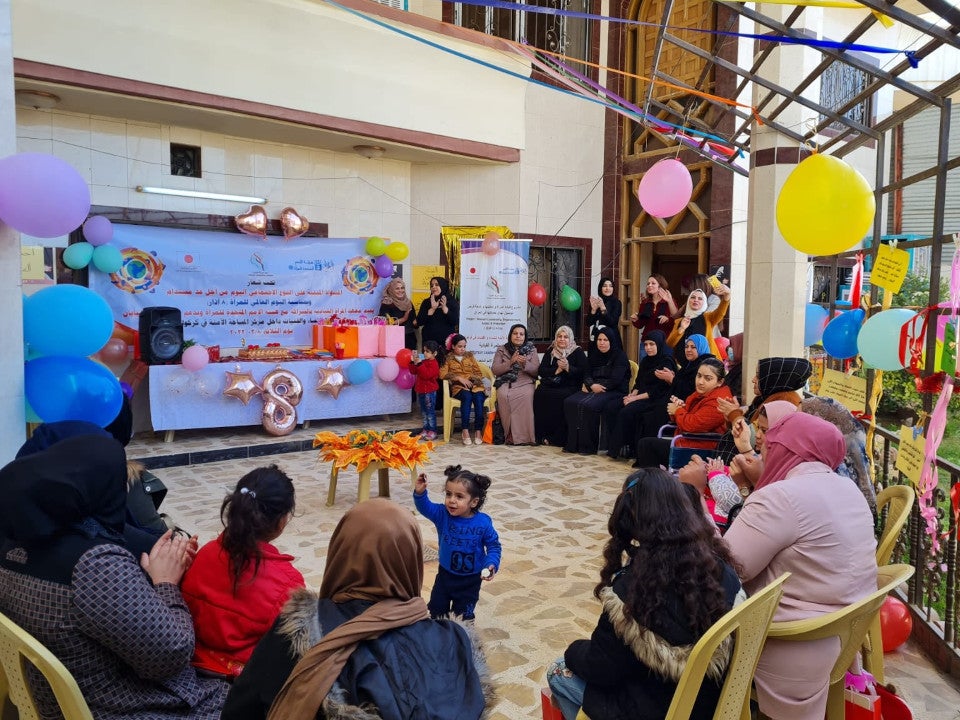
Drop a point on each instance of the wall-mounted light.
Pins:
(37, 99)
(201, 194)
(371, 152)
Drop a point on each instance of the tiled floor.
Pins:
(549, 508)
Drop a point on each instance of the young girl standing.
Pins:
(469, 544)
(427, 371)
(466, 385)
(239, 582)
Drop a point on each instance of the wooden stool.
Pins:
(363, 490)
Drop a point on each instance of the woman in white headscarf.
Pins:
(562, 370)
(699, 320)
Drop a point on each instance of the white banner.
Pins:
(493, 293)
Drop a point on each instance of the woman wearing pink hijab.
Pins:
(804, 519)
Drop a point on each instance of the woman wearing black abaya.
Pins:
(439, 314)
(561, 375)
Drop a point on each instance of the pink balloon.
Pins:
(405, 379)
(98, 230)
(41, 195)
(491, 244)
(665, 189)
(387, 369)
(384, 266)
(195, 358)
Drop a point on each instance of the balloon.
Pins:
(41, 195)
(30, 415)
(359, 371)
(78, 255)
(331, 380)
(72, 388)
(879, 339)
(404, 356)
(895, 623)
(253, 222)
(98, 230)
(242, 386)
(570, 299)
(491, 244)
(840, 334)
(405, 379)
(384, 266)
(66, 320)
(294, 225)
(665, 189)
(376, 246)
(397, 251)
(814, 321)
(107, 258)
(282, 391)
(536, 295)
(195, 358)
(825, 206)
(387, 369)
(114, 352)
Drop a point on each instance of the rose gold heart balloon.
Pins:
(293, 223)
(253, 222)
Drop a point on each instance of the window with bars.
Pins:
(838, 84)
(553, 267)
(555, 33)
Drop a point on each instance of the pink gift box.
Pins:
(368, 340)
(391, 340)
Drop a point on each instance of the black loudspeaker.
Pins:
(161, 335)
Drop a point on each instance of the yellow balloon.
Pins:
(825, 206)
(397, 251)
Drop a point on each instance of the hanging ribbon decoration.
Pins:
(928, 476)
(856, 282)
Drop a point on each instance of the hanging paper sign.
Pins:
(890, 268)
(849, 391)
(910, 453)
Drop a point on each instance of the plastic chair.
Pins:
(898, 501)
(851, 624)
(19, 648)
(450, 402)
(634, 371)
(747, 624)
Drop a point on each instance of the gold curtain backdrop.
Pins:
(451, 236)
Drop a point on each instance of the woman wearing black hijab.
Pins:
(439, 314)
(605, 384)
(119, 625)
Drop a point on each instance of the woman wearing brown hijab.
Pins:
(366, 633)
(398, 308)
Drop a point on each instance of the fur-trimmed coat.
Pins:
(436, 666)
(631, 671)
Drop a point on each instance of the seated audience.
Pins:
(805, 519)
(666, 578)
(734, 362)
(605, 384)
(698, 413)
(622, 421)
(462, 370)
(515, 365)
(697, 319)
(562, 370)
(777, 378)
(365, 647)
(238, 582)
(118, 623)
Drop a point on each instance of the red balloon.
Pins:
(404, 356)
(536, 294)
(896, 624)
(114, 352)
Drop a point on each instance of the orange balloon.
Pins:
(253, 222)
(293, 223)
(114, 352)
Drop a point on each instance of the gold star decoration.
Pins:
(241, 385)
(331, 380)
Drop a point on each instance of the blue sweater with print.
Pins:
(467, 544)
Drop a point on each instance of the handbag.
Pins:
(488, 427)
(143, 501)
(499, 437)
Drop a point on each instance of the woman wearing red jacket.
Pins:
(699, 413)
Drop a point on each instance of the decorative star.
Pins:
(241, 385)
(331, 380)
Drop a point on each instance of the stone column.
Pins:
(12, 421)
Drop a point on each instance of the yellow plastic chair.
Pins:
(851, 624)
(17, 649)
(450, 402)
(747, 624)
(634, 371)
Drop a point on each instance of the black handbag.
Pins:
(499, 438)
(143, 501)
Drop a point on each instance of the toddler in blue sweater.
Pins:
(469, 545)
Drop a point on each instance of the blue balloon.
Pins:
(72, 388)
(813, 323)
(840, 334)
(66, 320)
(359, 371)
(879, 341)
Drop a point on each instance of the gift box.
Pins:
(368, 340)
(341, 340)
(391, 340)
(213, 352)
